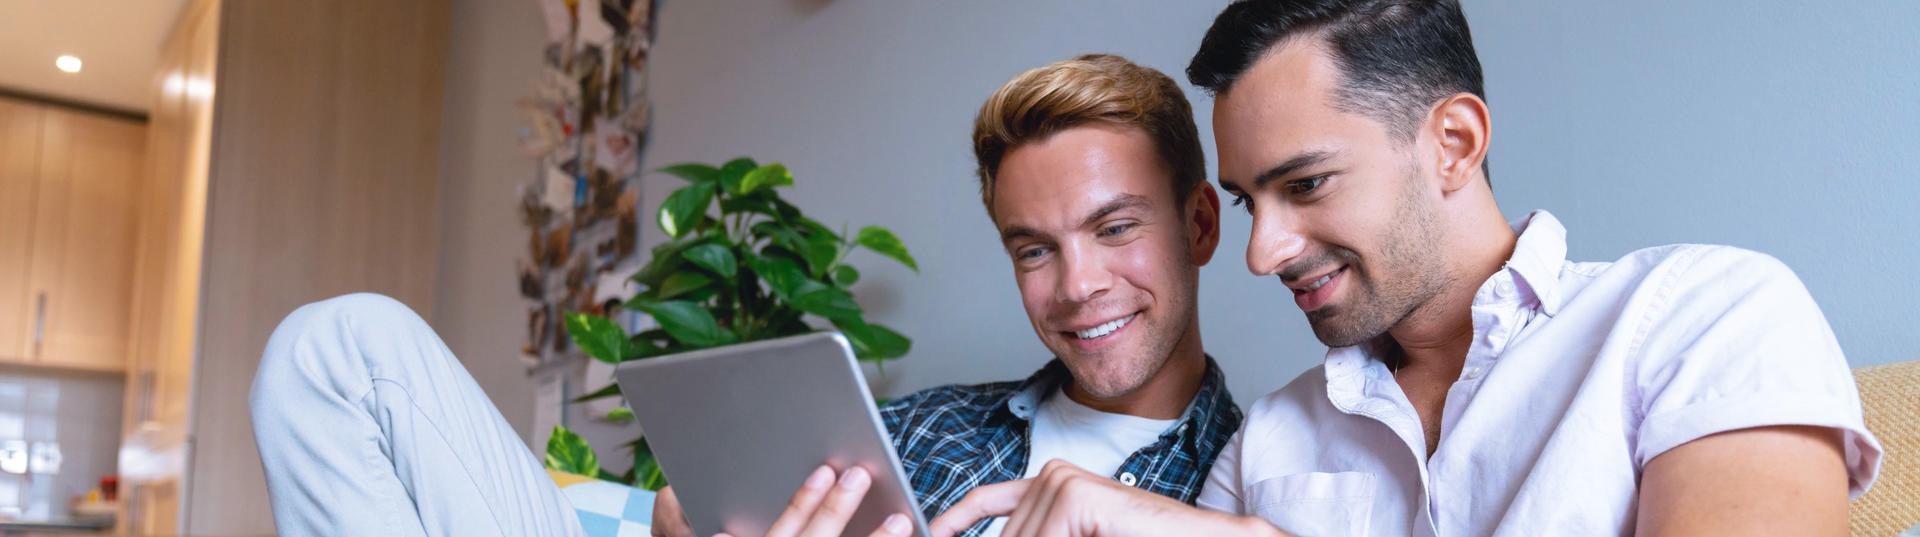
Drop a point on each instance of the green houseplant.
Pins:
(752, 270)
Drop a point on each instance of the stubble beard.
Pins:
(1409, 262)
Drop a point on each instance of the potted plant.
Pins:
(753, 270)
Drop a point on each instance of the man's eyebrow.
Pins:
(1294, 164)
(1124, 202)
(1017, 232)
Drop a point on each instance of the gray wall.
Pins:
(493, 56)
(1769, 126)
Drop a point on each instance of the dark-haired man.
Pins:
(1478, 382)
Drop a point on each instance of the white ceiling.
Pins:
(118, 40)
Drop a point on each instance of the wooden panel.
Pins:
(19, 177)
(167, 276)
(325, 158)
(83, 237)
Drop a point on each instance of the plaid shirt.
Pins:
(954, 438)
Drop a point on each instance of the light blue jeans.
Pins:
(368, 425)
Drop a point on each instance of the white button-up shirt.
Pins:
(1578, 375)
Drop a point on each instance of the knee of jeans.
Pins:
(291, 356)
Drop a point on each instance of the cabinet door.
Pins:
(83, 238)
(19, 175)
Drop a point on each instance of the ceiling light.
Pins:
(67, 63)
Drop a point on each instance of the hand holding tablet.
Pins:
(738, 428)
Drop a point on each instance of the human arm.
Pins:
(1065, 500)
(1784, 480)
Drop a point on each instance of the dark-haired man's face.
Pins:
(1340, 210)
(1106, 257)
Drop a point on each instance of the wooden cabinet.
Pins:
(19, 174)
(68, 181)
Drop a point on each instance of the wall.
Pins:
(75, 413)
(1774, 127)
(325, 160)
(493, 56)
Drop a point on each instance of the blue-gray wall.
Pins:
(1767, 125)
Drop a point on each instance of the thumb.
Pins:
(982, 503)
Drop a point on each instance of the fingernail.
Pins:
(820, 478)
(897, 524)
(854, 477)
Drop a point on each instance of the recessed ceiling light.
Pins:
(67, 63)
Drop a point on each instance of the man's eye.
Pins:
(1304, 186)
(1243, 200)
(1032, 253)
(1116, 229)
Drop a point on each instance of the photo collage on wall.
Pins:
(586, 124)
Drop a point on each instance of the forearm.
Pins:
(1191, 521)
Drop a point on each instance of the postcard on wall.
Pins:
(559, 19)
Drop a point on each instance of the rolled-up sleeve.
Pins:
(1734, 341)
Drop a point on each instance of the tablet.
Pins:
(736, 429)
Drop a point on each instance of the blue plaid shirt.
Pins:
(954, 438)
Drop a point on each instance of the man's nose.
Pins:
(1087, 276)
(1275, 240)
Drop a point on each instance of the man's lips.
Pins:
(1316, 293)
(1304, 285)
(1098, 329)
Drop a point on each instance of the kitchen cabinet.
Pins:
(69, 182)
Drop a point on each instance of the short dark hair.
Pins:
(1396, 57)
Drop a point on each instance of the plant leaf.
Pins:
(873, 342)
(781, 234)
(828, 302)
(567, 452)
(620, 413)
(667, 260)
(646, 470)
(735, 171)
(786, 212)
(783, 276)
(883, 242)
(684, 208)
(681, 282)
(820, 252)
(600, 338)
(815, 229)
(767, 176)
(609, 391)
(845, 275)
(688, 323)
(693, 172)
(733, 205)
(713, 257)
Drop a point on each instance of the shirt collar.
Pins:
(1538, 256)
(1211, 400)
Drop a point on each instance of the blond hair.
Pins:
(1092, 88)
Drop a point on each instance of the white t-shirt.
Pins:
(1096, 441)
(1579, 374)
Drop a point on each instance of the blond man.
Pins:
(1091, 170)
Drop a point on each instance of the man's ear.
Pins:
(1463, 129)
(1203, 223)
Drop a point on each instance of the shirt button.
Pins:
(1127, 478)
(1473, 373)
(1503, 288)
